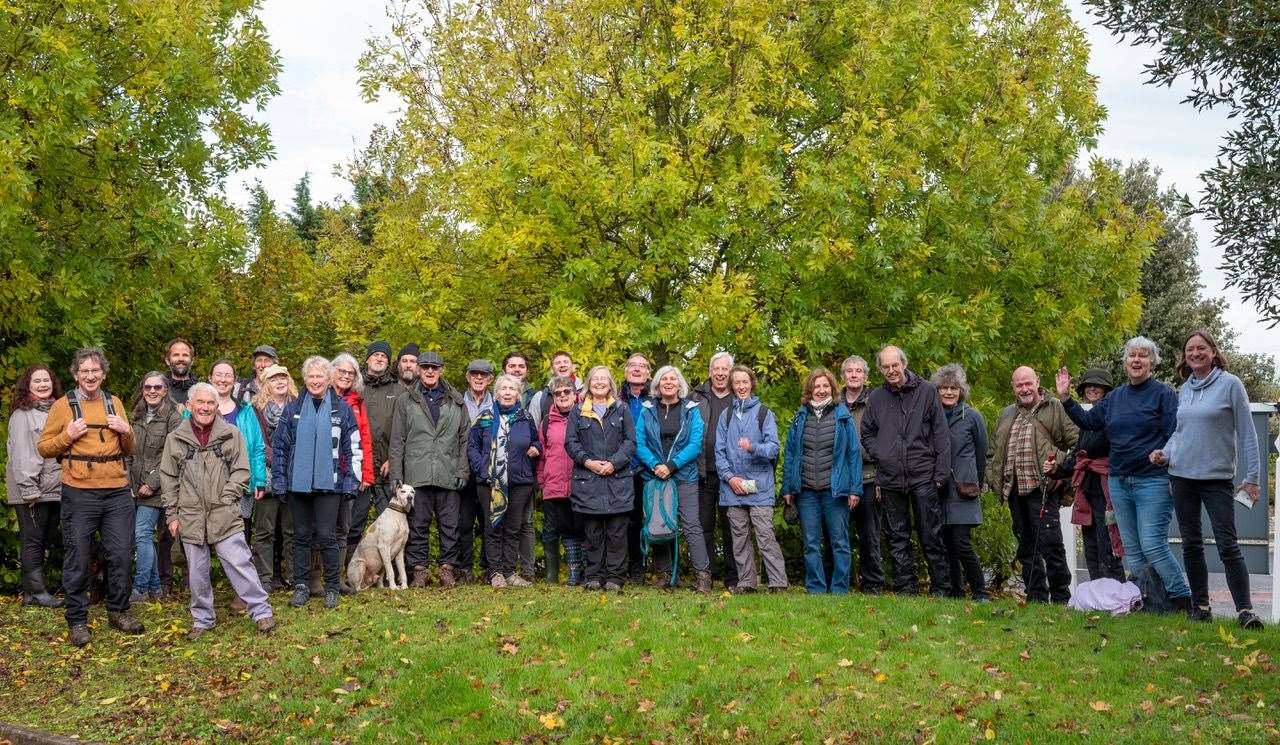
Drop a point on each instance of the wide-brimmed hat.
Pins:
(1094, 376)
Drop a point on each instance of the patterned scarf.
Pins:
(271, 415)
(499, 433)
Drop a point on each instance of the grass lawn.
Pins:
(559, 665)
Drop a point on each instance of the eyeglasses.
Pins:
(563, 392)
(153, 387)
(345, 374)
(90, 370)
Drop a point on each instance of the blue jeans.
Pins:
(1144, 508)
(822, 514)
(146, 574)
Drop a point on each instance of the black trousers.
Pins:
(110, 513)
(443, 505)
(164, 554)
(962, 562)
(864, 522)
(376, 497)
(711, 514)
(606, 547)
(315, 525)
(635, 523)
(37, 530)
(559, 521)
(502, 541)
(473, 510)
(922, 503)
(1098, 556)
(1045, 574)
(1215, 495)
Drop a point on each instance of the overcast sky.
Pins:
(319, 120)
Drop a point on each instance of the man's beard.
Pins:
(179, 370)
(408, 376)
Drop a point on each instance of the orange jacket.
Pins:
(95, 460)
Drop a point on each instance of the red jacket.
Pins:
(555, 467)
(356, 403)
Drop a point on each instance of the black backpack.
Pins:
(77, 413)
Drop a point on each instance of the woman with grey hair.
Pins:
(348, 382)
(962, 494)
(668, 442)
(1139, 417)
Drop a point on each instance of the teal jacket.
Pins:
(247, 423)
(683, 458)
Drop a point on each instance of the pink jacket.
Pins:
(555, 467)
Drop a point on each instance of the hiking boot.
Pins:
(516, 580)
(78, 636)
(1181, 605)
(464, 577)
(420, 577)
(266, 624)
(612, 587)
(1200, 613)
(301, 595)
(497, 581)
(778, 589)
(239, 605)
(702, 582)
(1249, 620)
(743, 589)
(124, 622)
(331, 599)
(591, 585)
(446, 577)
(195, 633)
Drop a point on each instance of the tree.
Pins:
(790, 181)
(1229, 51)
(303, 215)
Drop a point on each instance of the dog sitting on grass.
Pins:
(380, 552)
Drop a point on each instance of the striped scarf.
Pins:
(499, 433)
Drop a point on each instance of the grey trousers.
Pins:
(234, 554)
(690, 530)
(267, 513)
(741, 521)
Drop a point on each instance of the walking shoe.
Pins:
(124, 622)
(497, 581)
(528, 577)
(78, 636)
(238, 604)
(135, 598)
(464, 577)
(702, 582)
(195, 633)
(331, 599)
(1249, 620)
(266, 624)
(592, 585)
(446, 576)
(301, 594)
(1200, 613)
(778, 589)
(743, 589)
(420, 577)
(516, 580)
(612, 587)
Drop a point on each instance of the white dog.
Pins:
(381, 550)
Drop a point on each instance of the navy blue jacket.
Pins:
(846, 461)
(346, 437)
(1137, 419)
(613, 438)
(520, 467)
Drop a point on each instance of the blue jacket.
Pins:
(846, 463)
(520, 467)
(247, 423)
(684, 451)
(1137, 419)
(346, 434)
(759, 464)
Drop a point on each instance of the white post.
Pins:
(1068, 542)
(1275, 561)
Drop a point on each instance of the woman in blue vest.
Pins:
(668, 443)
(822, 477)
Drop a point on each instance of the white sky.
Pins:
(319, 120)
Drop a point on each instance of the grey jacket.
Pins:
(27, 476)
(968, 463)
(427, 453)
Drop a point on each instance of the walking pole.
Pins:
(1035, 546)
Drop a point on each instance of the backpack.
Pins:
(191, 453)
(1154, 597)
(661, 527)
(77, 413)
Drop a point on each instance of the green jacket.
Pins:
(148, 443)
(202, 486)
(1057, 435)
(427, 453)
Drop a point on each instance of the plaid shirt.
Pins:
(1020, 457)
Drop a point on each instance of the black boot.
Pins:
(575, 557)
(551, 555)
(1181, 605)
(34, 592)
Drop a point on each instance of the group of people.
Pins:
(280, 482)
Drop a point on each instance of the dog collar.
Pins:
(397, 509)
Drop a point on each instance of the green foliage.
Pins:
(303, 215)
(1228, 53)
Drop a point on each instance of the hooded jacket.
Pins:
(200, 488)
(29, 476)
(356, 402)
(846, 460)
(742, 419)
(612, 438)
(148, 443)
(905, 433)
(426, 452)
(685, 450)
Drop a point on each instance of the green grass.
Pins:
(555, 664)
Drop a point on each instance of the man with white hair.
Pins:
(865, 518)
(633, 395)
(714, 398)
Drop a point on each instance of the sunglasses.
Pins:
(153, 387)
(564, 392)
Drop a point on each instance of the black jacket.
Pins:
(613, 439)
(905, 432)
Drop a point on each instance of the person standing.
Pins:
(905, 433)
(429, 452)
(715, 397)
(272, 519)
(634, 395)
(349, 384)
(33, 482)
(867, 514)
(1213, 419)
(246, 388)
(380, 393)
(88, 431)
(601, 439)
(555, 476)
(962, 505)
(1032, 432)
(155, 416)
(204, 470)
(516, 365)
(471, 523)
(242, 416)
(179, 356)
(407, 365)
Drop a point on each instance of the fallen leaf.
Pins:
(845, 663)
(1147, 707)
(107, 701)
(997, 695)
(646, 705)
(551, 720)
(744, 636)
(730, 706)
(880, 677)
(340, 691)
(1100, 706)
(1024, 655)
(510, 648)
(990, 734)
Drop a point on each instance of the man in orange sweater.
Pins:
(87, 431)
